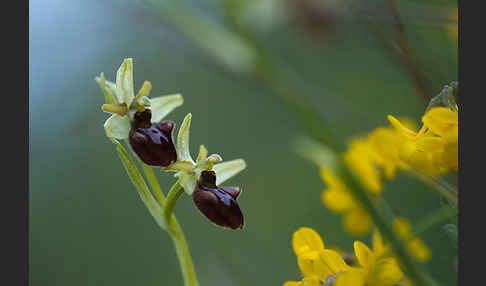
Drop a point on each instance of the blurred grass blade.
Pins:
(317, 153)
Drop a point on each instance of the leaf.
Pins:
(163, 105)
(226, 170)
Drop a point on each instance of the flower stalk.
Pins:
(166, 220)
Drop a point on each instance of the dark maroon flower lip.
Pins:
(217, 204)
(152, 142)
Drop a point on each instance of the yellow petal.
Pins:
(331, 180)
(307, 261)
(306, 239)
(400, 127)
(329, 263)
(402, 227)
(359, 158)
(357, 222)
(386, 273)
(350, 278)
(440, 120)
(365, 256)
(419, 249)
(379, 247)
(338, 201)
(293, 283)
(310, 281)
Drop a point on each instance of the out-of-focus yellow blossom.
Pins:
(433, 149)
(359, 158)
(316, 262)
(417, 248)
(338, 199)
(373, 271)
(380, 248)
(319, 265)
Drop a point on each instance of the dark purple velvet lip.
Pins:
(152, 143)
(219, 205)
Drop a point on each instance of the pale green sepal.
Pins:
(226, 170)
(163, 105)
(187, 181)
(183, 140)
(117, 126)
(180, 166)
(139, 183)
(124, 82)
(203, 152)
(317, 153)
(110, 96)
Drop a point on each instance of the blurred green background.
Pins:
(87, 223)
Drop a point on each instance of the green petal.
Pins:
(117, 127)
(124, 82)
(183, 140)
(163, 105)
(226, 170)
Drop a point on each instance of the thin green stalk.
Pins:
(442, 188)
(437, 217)
(170, 225)
(183, 254)
(154, 183)
(174, 193)
(178, 237)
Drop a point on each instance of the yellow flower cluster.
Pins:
(320, 265)
(432, 151)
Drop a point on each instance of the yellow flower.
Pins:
(417, 248)
(359, 158)
(338, 199)
(380, 248)
(374, 271)
(433, 150)
(319, 265)
(315, 262)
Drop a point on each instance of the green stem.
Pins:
(183, 254)
(154, 183)
(383, 218)
(177, 235)
(442, 188)
(170, 225)
(174, 193)
(439, 216)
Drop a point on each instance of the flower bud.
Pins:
(218, 204)
(152, 142)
